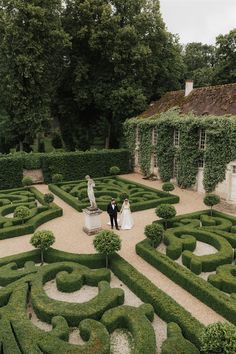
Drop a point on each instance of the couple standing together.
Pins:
(126, 220)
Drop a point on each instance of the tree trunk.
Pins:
(41, 253)
(211, 211)
(108, 138)
(21, 145)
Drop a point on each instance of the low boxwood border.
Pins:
(195, 285)
(164, 306)
(30, 226)
(166, 198)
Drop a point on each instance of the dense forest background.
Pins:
(76, 69)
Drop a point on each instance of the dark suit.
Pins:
(112, 210)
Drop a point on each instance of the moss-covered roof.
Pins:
(212, 100)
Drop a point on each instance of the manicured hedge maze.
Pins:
(11, 226)
(141, 197)
(22, 287)
(180, 240)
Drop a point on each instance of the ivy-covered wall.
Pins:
(219, 151)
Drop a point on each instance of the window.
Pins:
(154, 136)
(175, 168)
(201, 163)
(202, 139)
(154, 159)
(234, 169)
(176, 137)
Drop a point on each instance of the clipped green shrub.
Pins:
(11, 172)
(32, 161)
(57, 178)
(155, 233)
(42, 239)
(82, 194)
(22, 212)
(114, 170)
(168, 187)
(107, 243)
(48, 198)
(219, 338)
(166, 212)
(176, 343)
(211, 200)
(27, 181)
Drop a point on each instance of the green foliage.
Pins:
(166, 212)
(130, 70)
(13, 198)
(22, 212)
(30, 71)
(48, 198)
(32, 161)
(57, 141)
(185, 228)
(199, 60)
(75, 165)
(219, 338)
(11, 172)
(57, 178)
(211, 200)
(141, 197)
(225, 69)
(107, 243)
(27, 181)
(176, 343)
(168, 187)
(114, 170)
(219, 151)
(42, 239)
(155, 233)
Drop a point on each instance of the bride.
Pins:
(126, 219)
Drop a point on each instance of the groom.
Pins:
(112, 210)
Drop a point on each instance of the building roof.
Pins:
(212, 100)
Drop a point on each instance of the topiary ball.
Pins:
(168, 187)
(21, 212)
(114, 170)
(155, 233)
(57, 178)
(48, 198)
(27, 181)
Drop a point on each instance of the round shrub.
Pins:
(27, 181)
(211, 200)
(155, 233)
(219, 338)
(166, 212)
(168, 187)
(48, 198)
(107, 243)
(57, 178)
(22, 212)
(114, 170)
(42, 239)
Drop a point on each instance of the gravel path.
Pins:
(71, 238)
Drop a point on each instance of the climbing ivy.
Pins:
(220, 145)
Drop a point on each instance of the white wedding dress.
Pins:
(126, 219)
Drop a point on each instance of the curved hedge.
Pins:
(140, 196)
(18, 335)
(11, 199)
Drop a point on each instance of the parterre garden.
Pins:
(23, 295)
(37, 211)
(141, 197)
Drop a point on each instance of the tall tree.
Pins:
(32, 43)
(225, 70)
(199, 60)
(121, 57)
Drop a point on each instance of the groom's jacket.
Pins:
(112, 211)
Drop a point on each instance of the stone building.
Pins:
(213, 101)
